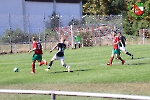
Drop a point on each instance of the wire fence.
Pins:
(16, 31)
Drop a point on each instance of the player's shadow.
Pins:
(81, 70)
(138, 64)
(140, 58)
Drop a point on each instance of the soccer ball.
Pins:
(15, 69)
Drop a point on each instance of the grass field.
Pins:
(90, 73)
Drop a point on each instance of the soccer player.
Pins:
(59, 55)
(115, 50)
(37, 48)
(77, 41)
(122, 45)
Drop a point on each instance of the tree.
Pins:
(115, 7)
(14, 36)
(94, 7)
(143, 24)
(54, 21)
(135, 27)
(51, 26)
(127, 27)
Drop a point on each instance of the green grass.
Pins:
(90, 73)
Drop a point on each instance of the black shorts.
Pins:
(60, 54)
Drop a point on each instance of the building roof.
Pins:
(60, 1)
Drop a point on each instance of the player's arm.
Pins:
(32, 50)
(53, 48)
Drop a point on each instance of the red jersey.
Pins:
(116, 41)
(38, 47)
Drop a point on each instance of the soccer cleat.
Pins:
(123, 62)
(68, 68)
(47, 69)
(109, 64)
(32, 72)
(132, 57)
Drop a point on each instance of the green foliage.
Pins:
(127, 27)
(14, 36)
(50, 35)
(143, 24)
(74, 22)
(94, 7)
(103, 7)
(135, 27)
(132, 28)
(114, 7)
(54, 21)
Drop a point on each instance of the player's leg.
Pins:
(79, 44)
(33, 67)
(128, 53)
(75, 46)
(41, 62)
(34, 57)
(64, 65)
(51, 62)
(111, 58)
(118, 56)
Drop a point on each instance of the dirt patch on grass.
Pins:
(115, 88)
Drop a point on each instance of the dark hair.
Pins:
(120, 32)
(114, 32)
(33, 38)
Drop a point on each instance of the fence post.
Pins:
(44, 33)
(143, 35)
(53, 96)
(10, 32)
(72, 36)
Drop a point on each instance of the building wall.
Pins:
(22, 7)
(11, 6)
(38, 8)
(68, 9)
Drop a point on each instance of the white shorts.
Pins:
(77, 42)
(123, 49)
(55, 57)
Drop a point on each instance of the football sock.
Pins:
(129, 54)
(33, 68)
(111, 60)
(75, 46)
(79, 45)
(120, 58)
(41, 63)
(50, 64)
(65, 65)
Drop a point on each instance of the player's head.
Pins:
(62, 40)
(119, 33)
(114, 33)
(33, 39)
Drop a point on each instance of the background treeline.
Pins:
(131, 24)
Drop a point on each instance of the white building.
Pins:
(39, 7)
(11, 9)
